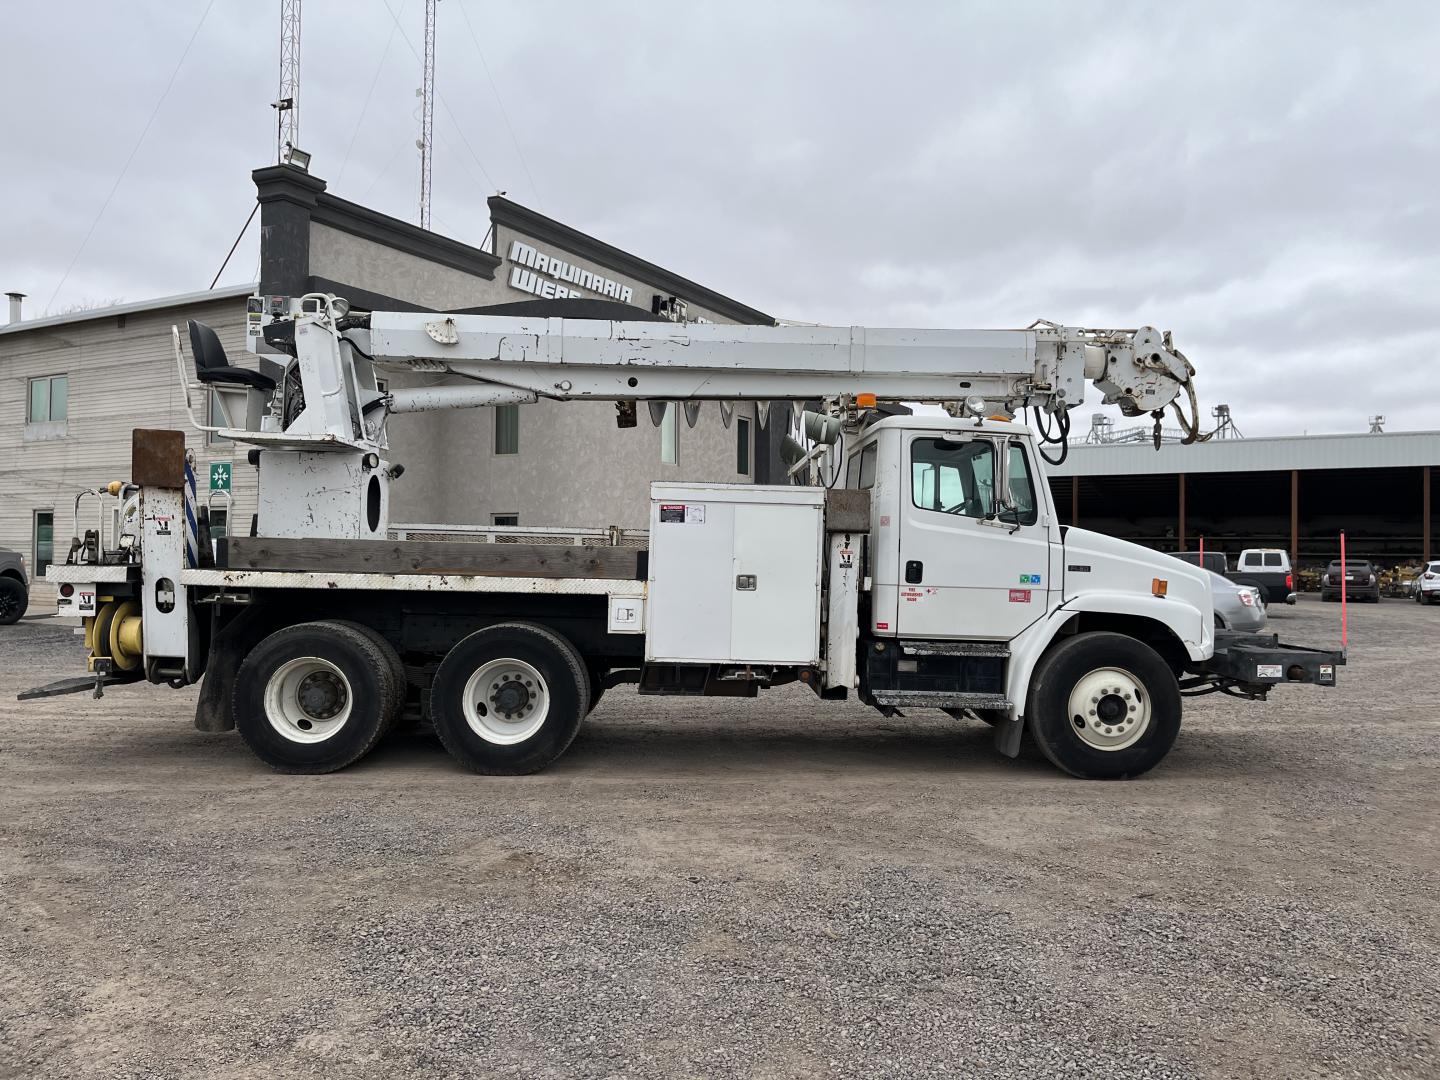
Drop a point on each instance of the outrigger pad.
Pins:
(77, 685)
(157, 458)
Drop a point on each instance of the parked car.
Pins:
(1237, 607)
(14, 586)
(1362, 582)
(1427, 584)
(1268, 569)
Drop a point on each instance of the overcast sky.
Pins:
(1262, 179)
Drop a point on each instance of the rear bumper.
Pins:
(1261, 661)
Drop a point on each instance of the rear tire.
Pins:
(399, 682)
(508, 700)
(1104, 706)
(14, 598)
(315, 697)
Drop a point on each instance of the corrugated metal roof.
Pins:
(1396, 449)
(224, 292)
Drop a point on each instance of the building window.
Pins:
(742, 446)
(507, 429)
(44, 541)
(215, 417)
(49, 399)
(504, 519)
(670, 435)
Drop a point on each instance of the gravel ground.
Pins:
(728, 888)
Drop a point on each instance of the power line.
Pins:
(133, 151)
(485, 66)
(360, 119)
(448, 111)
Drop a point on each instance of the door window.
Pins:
(953, 478)
(44, 540)
(1022, 487)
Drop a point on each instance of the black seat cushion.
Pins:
(213, 366)
(235, 376)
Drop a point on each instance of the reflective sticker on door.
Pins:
(1019, 596)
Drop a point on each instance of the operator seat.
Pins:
(212, 366)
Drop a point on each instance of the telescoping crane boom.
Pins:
(930, 568)
(508, 359)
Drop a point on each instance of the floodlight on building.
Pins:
(297, 157)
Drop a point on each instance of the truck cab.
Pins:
(972, 578)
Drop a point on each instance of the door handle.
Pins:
(914, 571)
(745, 582)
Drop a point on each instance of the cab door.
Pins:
(969, 568)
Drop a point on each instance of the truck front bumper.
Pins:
(1256, 662)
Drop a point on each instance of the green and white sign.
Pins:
(220, 476)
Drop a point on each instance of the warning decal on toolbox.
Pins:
(682, 513)
(1269, 671)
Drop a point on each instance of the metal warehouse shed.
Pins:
(1292, 492)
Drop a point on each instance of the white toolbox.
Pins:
(735, 574)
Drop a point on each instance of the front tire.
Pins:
(508, 700)
(315, 697)
(1104, 706)
(14, 598)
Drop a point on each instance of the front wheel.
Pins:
(13, 600)
(1104, 706)
(509, 699)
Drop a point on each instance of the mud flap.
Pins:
(1008, 736)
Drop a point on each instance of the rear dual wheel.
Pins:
(509, 699)
(318, 696)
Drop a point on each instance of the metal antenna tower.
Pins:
(427, 114)
(287, 105)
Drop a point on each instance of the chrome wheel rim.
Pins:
(308, 700)
(1109, 709)
(505, 701)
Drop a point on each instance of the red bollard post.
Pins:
(1344, 612)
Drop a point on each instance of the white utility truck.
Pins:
(916, 562)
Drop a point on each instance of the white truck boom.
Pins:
(923, 566)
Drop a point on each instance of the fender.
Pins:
(1184, 620)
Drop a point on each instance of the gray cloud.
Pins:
(1258, 178)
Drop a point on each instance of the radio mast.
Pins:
(287, 105)
(427, 114)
